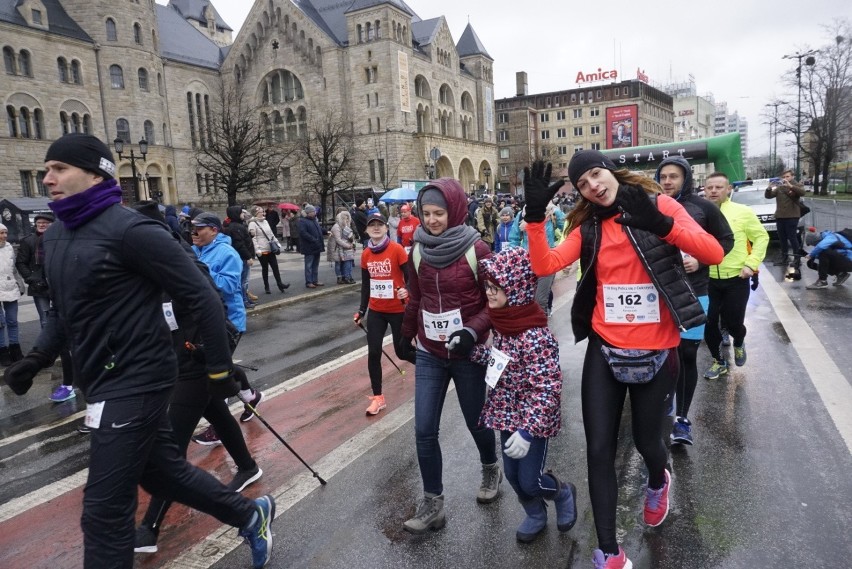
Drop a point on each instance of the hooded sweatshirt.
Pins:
(705, 213)
(528, 393)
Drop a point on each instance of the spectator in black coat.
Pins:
(235, 228)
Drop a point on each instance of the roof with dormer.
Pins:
(180, 41)
(330, 15)
(58, 21)
(424, 32)
(469, 44)
(194, 10)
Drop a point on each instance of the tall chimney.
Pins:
(521, 87)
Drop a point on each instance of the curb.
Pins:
(272, 305)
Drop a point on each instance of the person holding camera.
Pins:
(787, 194)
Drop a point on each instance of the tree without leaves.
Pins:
(327, 155)
(235, 148)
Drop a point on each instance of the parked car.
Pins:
(763, 208)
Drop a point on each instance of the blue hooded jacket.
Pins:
(226, 268)
(832, 240)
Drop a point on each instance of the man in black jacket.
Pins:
(359, 217)
(108, 267)
(675, 177)
(235, 228)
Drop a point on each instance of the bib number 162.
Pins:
(630, 299)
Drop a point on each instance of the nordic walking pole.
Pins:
(401, 371)
(271, 430)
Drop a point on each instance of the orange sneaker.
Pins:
(377, 403)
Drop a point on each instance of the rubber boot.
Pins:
(429, 515)
(534, 523)
(566, 504)
(15, 352)
(5, 356)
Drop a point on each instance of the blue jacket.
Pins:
(502, 237)
(226, 268)
(518, 238)
(310, 236)
(832, 240)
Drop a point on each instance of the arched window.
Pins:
(116, 77)
(122, 130)
(111, 31)
(25, 63)
(87, 124)
(38, 124)
(76, 123)
(137, 34)
(63, 120)
(165, 135)
(9, 61)
(160, 83)
(62, 67)
(149, 132)
(369, 31)
(24, 122)
(360, 33)
(143, 79)
(76, 76)
(303, 122)
(292, 129)
(378, 25)
(11, 121)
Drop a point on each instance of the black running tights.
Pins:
(377, 325)
(728, 299)
(688, 377)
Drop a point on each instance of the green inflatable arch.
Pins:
(723, 151)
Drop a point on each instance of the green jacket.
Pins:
(747, 229)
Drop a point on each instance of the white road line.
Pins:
(832, 386)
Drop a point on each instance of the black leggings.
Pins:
(728, 299)
(377, 325)
(189, 402)
(266, 261)
(687, 380)
(603, 403)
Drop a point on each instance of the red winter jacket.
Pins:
(454, 286)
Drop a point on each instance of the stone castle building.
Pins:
(417, 102)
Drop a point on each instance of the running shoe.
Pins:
(611, 561)
(83, 429)
(817, 285)
(259, 534)
(740, 355)
(244, 478)
(726, 338)
(208, 437)
(841, 278)
(717, 370)
(657, 503)
(63, 393)
(145, 540)
(682, 432)
(247, 415)
(377, 403)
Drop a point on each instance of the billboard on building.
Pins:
(404, 92)
(622, 126)
(489, 109)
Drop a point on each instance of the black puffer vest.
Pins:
(664, 266)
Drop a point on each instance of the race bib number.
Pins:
(496, 366)
(169, 314)
(631, 304)
(381, 288)
(440, 326)
(93, 414)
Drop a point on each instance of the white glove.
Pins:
(517, 446)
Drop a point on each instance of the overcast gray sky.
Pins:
(733, 48)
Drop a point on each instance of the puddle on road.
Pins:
(779, 330)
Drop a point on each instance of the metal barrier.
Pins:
(828, 213)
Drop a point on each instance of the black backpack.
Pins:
(847, 233)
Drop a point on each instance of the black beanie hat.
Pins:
(585, 160)
(149, 208)
(83, 151)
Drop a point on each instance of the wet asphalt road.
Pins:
(766, 485)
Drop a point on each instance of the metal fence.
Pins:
(829, 214)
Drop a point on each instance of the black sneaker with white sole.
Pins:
(145, 540)
(247, 415)
(243, 478)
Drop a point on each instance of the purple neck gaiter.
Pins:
(75, 211)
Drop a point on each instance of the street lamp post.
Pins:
(143, 149)
(487, 172)
(808, 56)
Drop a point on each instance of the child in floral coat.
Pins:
(526, 388)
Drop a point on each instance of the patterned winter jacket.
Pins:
(528, 394)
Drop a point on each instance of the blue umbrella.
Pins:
(399, 195)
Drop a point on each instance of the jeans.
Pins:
(244, 279)
(135, 446)
(526, 475)
(432, 379)
(9, 316)
(542, 291)
(42, 304)
(346, 269)
(312, 268)
(788, 234)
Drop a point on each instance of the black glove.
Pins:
(637, 210)
(407, 351)
(537, 192)
(461, 343)
(755, 281)
(223, 386)
(19, 376)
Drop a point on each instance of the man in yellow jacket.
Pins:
(729, 281)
